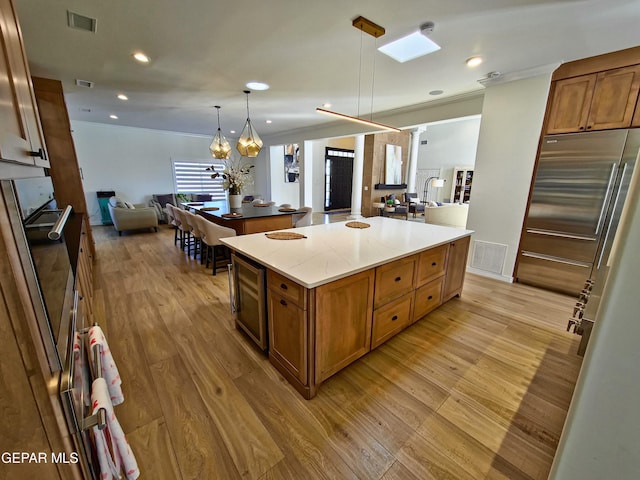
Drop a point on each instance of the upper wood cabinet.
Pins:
(636, 116)
(597, 101)
(21, 138)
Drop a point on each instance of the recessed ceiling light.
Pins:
(141, 57)
(115, 117)
(436, 92)
(326, 105)
(122, 96)
(411, 46)
(232, 131)
(473, 61)
(268, 121)
(257, 86)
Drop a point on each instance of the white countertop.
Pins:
(333, 251)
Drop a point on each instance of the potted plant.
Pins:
(235, 176)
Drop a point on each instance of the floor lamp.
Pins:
(434, 182)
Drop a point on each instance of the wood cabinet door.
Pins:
(343, 322)
(288, 334)
(636, 116)
(456, 267)
(570, 104)
(614, 98)
(20, 131)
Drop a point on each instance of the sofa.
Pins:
(447, 214)
(128, 216)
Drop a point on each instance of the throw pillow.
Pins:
(129, 205)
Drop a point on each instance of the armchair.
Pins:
(414, 203)
(127, 216)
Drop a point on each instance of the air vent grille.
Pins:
(488, 256)
(81, 22)
(84, 83)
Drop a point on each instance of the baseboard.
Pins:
(483, 273)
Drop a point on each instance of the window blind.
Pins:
(193, 177)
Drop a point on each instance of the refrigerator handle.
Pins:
(232, 302)
(612, 177)
(615, 206)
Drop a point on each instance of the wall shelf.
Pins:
(389, 186)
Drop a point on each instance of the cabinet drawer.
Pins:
(287, 288)
(431, 264)
(394, 280)
(427, 298)
(390, 319)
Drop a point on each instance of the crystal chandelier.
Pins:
(249, 143)
(219, 147)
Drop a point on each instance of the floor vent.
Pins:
(488, 256)
(81, 22)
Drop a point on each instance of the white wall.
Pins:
(512, 118)
(134, 162)
(601, 437)
(449, 144)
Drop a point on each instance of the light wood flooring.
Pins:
(478, 389)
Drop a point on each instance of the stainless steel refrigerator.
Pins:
(578, 193)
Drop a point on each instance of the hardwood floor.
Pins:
(478, 389)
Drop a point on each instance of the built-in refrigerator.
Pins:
(578, 192)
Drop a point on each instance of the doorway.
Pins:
(338, 178)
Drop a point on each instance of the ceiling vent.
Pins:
(75, 20)
(84, 83)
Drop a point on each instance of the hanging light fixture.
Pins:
(219, 147)
(249, 143)
(367, 26)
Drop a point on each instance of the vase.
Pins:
(235, 201)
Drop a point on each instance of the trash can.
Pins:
(103, 202)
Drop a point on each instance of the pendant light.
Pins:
(219, 147)
(365, 26)
(249, 143)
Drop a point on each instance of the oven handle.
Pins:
(56, 231)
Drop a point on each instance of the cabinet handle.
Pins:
(588, 127)
(581, 128)
(394, 318)
(433, 264)
(283, 303)
(39, 154)
(283, 286)
(430, 297)
(398, 279)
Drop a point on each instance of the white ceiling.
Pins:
(204, 51)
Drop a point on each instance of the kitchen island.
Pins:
(339, 292)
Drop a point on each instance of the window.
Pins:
(193, 177)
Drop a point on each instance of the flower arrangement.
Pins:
(236, 175)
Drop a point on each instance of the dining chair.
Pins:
(185, 228)
(302, 218)
(196, 235)
(211, 235)
(173, 222)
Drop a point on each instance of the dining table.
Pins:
(249, 218)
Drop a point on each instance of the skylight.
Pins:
(407, 48)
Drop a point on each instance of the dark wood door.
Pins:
(338, 178)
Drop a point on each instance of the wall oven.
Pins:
(45, 258)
